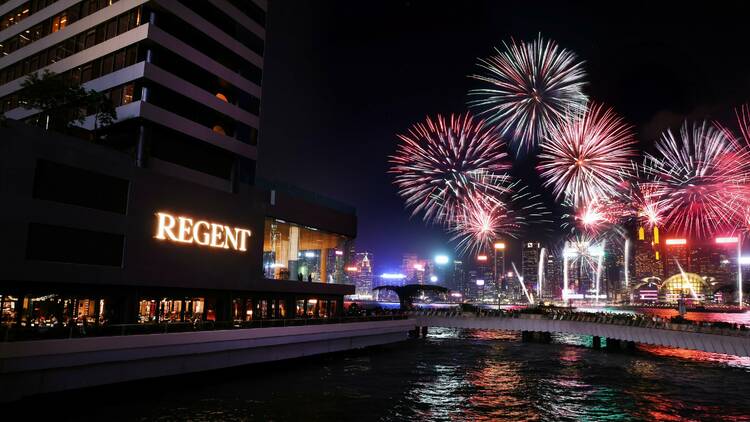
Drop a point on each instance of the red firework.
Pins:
(481, 222)
(700, 178)
(441, 162)
(586, 158)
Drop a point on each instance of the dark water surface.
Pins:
(452, 375)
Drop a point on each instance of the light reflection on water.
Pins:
(457, 375)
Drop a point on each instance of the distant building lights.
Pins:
(352, 269)
(510, 274)
(727, 240)
(671, 242)
(392, 276)
(419, 267)
(596, 251)
(481, 257)
(744, 260)
(339, 253)
(441, 259)
(309, 254)
(433, 278)
(480, 282)
(499, 245)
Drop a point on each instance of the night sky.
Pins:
(342, 78)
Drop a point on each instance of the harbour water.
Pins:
(451, 375)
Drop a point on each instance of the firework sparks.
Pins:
(441, 162)
(480, 224)
(531, 88)
(586, 158)
(699, 175)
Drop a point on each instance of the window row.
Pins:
(22, 12)
(252, 10)
(294, 252)
(121, 95)
(72, 45)
(183, 105)
(227, 24)
(53, 24)
(88, 309)
(189, 71)
(209, 46)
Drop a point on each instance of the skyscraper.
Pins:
(184, 76)
(530, 264)
(415, 269)
(364, 277)
(648, 256)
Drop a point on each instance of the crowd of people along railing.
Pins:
(676, 323)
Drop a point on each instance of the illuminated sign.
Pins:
(184, 230)
(339, 253)
(352, 269)
(480, 282)
(499, 245)
(676, 241)
(481, 257)
(727, 240)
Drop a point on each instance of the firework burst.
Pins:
(700, 177)
(479, 225)
(442, 162)
(587, 158)
(597, 216)
(531, 87)
(480, 222)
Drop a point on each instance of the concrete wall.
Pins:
(730, 345)
(35, 367)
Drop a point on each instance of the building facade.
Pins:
(162, 218)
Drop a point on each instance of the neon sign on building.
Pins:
(185, 230)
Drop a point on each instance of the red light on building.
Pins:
(481, 257)
(727, 240)
(676, 242)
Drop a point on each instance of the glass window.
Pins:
(107, 63)
(127, 94)
(119, 59)
(293, 252)
(116, 96)
(111, 28)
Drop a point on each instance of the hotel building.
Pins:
(161, 217)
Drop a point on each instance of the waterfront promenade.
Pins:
(628, 328)
(45, 366)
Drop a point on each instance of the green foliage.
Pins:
(63, 102)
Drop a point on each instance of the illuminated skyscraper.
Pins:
(414, 268)
(499, 264)
(647, 255)
(530, 264)
(552, 275)
(363, 278)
